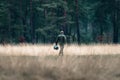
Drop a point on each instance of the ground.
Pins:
(54, 67)
(60, 68)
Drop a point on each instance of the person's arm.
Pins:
(57, 40)
(65, 39)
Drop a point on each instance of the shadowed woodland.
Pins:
(39, 21)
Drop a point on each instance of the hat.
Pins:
(62, 32)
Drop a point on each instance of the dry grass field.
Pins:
(45, 50)
(41, 62)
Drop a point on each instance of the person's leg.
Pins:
(61, 50)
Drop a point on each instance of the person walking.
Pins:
(61, 39)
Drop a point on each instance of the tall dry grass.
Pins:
(43, 50)
(41, 62)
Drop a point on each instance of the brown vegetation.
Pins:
(53, 67)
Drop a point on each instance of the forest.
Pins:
(40, 21)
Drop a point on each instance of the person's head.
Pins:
(61, 32)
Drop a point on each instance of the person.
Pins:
(61, 39)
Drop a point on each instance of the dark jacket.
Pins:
(61, 39)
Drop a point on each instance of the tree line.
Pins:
(40, 21)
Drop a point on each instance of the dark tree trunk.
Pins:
(9, 25)
(31, 23)
(25, 22)
(65, 21)
(77, 21)
(115, 21)
(64, 24)
(101, 31)
(45, 17)
(115, 30)
(101, 34)
(93, 33)
(21, 16)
